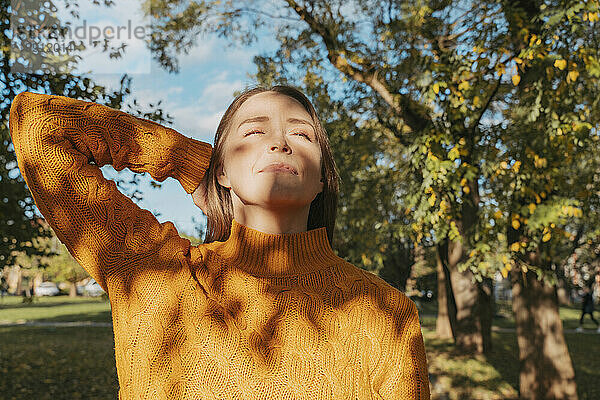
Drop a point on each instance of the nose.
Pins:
(279, 143)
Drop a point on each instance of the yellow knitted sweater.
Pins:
(259, 316)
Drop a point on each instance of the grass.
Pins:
(57, 363)
(495, 376)
(55, 309)
(78, 362)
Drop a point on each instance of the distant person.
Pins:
(587, 307)
(3, 287)
(264, 308)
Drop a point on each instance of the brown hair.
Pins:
(219, 208)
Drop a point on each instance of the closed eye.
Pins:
(303, 134)
(259, 131)
(253, 131)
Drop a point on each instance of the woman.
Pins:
(587, 307)
(264, 308)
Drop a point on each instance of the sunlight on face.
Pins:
(272, 128)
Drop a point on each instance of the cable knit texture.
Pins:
(259, 316)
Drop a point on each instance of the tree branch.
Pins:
(403, 105)
(487, 104)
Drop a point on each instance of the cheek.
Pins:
(241, 158)
(315, 162)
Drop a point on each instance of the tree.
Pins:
(18, 222)
(545, 176)
(64, 268)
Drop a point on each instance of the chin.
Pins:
(274, 194)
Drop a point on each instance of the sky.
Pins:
(196, 97)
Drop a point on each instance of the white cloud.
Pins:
(219, 95)
(192, 122)
(198, 55)
(214, 50)
(175, 90)
(122, 23)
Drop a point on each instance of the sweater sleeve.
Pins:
(60, 144)
(403, 373)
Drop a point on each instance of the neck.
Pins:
(270, 255)
(272, 220)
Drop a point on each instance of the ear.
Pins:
(222, 178)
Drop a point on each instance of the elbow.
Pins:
(18, 102)
(17, 110)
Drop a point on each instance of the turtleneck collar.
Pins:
(270, 255)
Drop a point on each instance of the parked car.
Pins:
(92, 288)
(47, 289)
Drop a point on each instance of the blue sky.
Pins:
(196, 97)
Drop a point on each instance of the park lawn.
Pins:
(57, 363)
(78, 362)
(55, 309)
(495, 376)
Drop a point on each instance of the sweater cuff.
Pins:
(193, 163)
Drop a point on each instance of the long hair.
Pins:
(219, 207)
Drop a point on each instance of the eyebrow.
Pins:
(264, 118)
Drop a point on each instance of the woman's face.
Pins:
(269, 129)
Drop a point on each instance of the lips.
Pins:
(279, 166)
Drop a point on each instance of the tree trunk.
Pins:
(486, 312)
(72, 289)
(446, 316)
(473, 306)
(546, 370)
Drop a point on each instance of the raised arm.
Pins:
(60, 144)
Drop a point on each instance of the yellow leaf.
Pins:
(593, 17)
(498, 214)
(518, 60)
(560, 64)
(453, 153)
(504, 164)
(516, 79)
(516, 224)
(516, 166)
(546, 237)
(504, 272)
(572, 76)
(443, 205)
(463, 181)
(431, 199)
(540, 162)
(515, 246)
(464, 85)
(466, 189)
(436, 88)
(532, 207)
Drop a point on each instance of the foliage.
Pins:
(542, 179)
(475, 109)
(19, 219)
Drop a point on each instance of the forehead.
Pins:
(269, 103)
